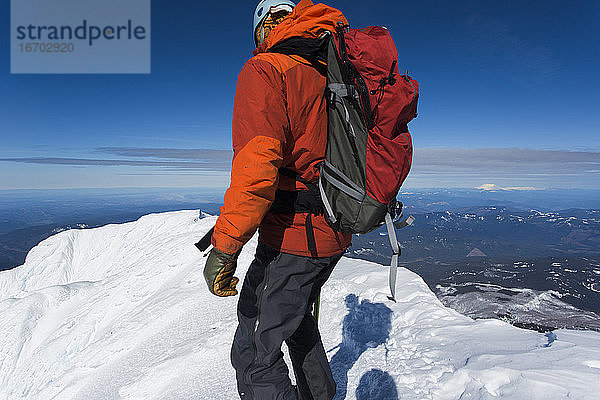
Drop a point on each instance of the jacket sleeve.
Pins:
(260, 123)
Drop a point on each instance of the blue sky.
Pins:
(509, 96)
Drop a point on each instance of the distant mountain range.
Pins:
(28, 217)
(494, 231)
(474, 258)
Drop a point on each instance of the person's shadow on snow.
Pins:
(367, 325)
(376, 385)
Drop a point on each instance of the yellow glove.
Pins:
(218, 273)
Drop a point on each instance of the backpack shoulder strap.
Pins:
(313, 50)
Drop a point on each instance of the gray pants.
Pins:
(275, 306)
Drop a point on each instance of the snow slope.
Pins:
(122, 312)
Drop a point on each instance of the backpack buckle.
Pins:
(330, 97)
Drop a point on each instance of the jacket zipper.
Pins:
(262, 292)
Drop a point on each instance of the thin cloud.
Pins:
(197, 165)
(492, 187)
(169, 159)
(507, 161)
(507, 168)
(170, 153)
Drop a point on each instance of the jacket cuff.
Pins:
(226, 244)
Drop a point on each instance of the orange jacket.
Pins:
(279, 120)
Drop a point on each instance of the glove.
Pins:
(218, 273)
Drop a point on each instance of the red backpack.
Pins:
(369, 148)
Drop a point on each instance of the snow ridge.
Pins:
(122, 312)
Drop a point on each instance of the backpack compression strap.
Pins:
(391, 228)
(396, 250)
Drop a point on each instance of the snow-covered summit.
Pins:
(122, 312)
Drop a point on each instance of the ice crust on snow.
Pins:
(122, 312)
